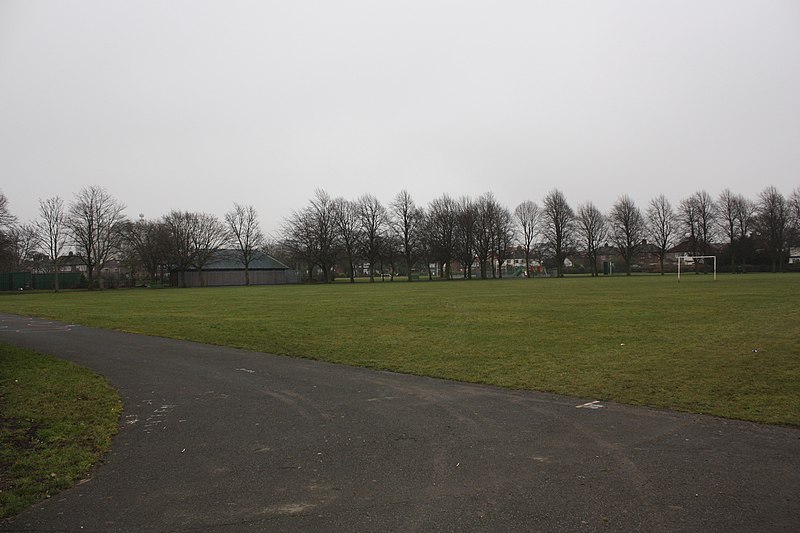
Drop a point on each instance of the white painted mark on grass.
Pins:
(590, 405)
(246, 370)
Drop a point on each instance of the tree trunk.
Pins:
(55, 275)
(246, 275)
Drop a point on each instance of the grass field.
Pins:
(729, 348)
(56, 418)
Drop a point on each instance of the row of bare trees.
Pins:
(403, 236)
(466, 231)
(700, 223)
(90, 224)
(93, 224)
(365, 233)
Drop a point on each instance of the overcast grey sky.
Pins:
(196, 104)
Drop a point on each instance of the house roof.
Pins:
(231, 260)
(685, 246)
(71, 259)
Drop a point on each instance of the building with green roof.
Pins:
(227, 269)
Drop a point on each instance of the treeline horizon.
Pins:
(362, 235)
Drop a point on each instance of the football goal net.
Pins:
(694, 260)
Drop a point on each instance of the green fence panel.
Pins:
(66, 280)
(14, 281)
(18, 280)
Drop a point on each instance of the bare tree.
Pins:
(728, 210)
(322, 213)
(503, 237)
(466, 226)
(697, 216)
(528, 217)
(706, 219)
(22, 246)
(246, 234)
(373, 219)
(794, 205)
(7, 220)
(426, 244)
(390, 252)
(442, 212)
(745, 218)
(772, 219)
(794, 217)
(180, 227)
(273, 247)
(209, 235)
(406, 219)
(95, 221)
(299, 239)
(687, 218)
(311, 235)
(592, 231)
(660, 226)
(148, 242)
(487, 207)
(558, 227)
(627, 229)
(349, 227)
(51, 230)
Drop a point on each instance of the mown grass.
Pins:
(56, 419)
(728, 348)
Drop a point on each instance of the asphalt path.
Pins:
(218, 439)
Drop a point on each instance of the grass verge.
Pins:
(56, 420)
(729, 347)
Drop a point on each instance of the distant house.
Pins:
(685, 247)
(227, 269)
(71, 263)
(515, 265)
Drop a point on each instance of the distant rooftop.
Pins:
(231, 260)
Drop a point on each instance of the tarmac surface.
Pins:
(218, 439)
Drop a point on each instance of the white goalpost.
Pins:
(692, 260)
